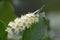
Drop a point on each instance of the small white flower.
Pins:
(37, 15)
(30, 15)
(16, 27)
(28, 25)
(24, 19)
(9, 30)
(27, 20)
(16, 19)
(22, 28)
(32, 19)
(36, 19)
(11, 24)
(19, 22)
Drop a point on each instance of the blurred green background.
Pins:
(6, 12)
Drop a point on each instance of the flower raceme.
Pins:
(20, 24)
(16, 28)
(23, 22)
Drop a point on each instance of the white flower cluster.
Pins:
(20, 24)
(24, 21)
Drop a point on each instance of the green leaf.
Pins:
(3, 34)
(38, 30)
(6, 12)
(46, 37)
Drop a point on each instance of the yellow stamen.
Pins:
(17, 26)
(29, 24)
(24, 24)
(19, 22)
(26, 19)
